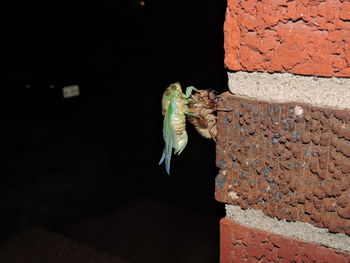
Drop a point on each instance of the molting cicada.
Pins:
(174, 109)
(200, 110)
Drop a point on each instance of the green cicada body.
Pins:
(174, 110)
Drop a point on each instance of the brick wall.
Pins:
(309, 37)
(244, 244)
(283, 130)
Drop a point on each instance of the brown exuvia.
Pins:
(203, 107)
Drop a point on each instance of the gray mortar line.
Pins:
(299, 230)
(286, 87)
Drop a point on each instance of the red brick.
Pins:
(305, 37)
(288, 251)
(255, 251)
(282, 249)
(239, 251)
(316, 191)
(345, 11)
(306, 249)
(226, 246)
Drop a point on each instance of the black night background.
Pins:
(86, 168)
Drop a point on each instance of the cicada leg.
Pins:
(212, 134)
(189, 91)
(191, 114)
(191, 100)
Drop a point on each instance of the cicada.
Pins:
(203, 109)
(174, 109)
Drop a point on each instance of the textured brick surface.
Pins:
(289, 160)
(309, 37)
(243, 244)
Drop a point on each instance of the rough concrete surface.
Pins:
(290, 160)
(308, 37)
(286, 87)
(299, 230)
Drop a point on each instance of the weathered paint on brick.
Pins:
(289, 160)
(308, 37)
(244, 244)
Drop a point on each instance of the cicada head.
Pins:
(173, 91)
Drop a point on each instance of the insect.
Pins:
(174, 109)
(203, 106)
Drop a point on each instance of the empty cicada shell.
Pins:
(203, 109)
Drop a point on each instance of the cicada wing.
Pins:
(168, 138)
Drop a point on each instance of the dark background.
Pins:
(65, 159)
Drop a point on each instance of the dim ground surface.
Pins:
(140, 230)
